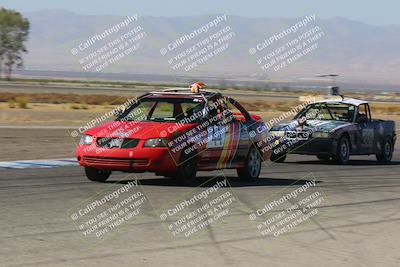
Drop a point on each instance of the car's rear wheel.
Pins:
(386, 152)
(97, 175)
(187, 169)
(252, 168)
(343, 151)
(278, 158)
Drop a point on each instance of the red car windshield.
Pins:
(166, 110)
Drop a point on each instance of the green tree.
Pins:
(14, 31)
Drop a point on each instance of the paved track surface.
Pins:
(358, 223)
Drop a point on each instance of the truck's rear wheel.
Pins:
(386, 152)
(97, 175)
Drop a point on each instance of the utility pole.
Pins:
(333, 89)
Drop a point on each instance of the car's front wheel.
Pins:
(97, 175)
(386, 152)
(187, 169)
(252, 168)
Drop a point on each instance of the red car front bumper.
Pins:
(138, 159)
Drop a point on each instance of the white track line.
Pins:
(37, 127)
(43, 163)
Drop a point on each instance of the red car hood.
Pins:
(138, 130)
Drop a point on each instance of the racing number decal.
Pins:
(368, 137)
(230, 147)
(226, 138)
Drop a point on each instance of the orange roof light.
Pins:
(195, 88)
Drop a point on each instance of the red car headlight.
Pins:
(86, 140)
(156, 142)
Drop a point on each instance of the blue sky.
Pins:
(383, 12)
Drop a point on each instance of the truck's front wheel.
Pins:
(343, 151)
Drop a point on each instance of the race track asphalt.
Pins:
(357, 222)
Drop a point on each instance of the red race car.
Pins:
(175, 133)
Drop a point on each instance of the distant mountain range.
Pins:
(357, 51)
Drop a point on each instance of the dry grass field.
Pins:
(75, 110)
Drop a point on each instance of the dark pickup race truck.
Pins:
(334, 130)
